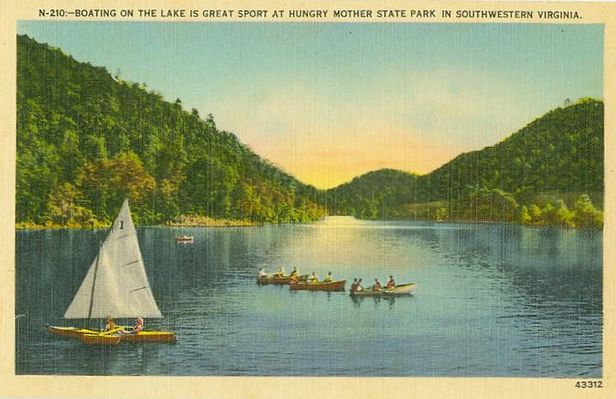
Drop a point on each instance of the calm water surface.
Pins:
(492, 300)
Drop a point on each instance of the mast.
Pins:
(94, 282)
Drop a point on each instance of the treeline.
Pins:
(86, 140)
(495, 205)
(548, 173)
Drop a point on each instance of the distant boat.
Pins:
(322, 286)
(116, 285)
(184, 239)
(402, 289)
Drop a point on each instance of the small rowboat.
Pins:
(279, 280)
(184, 239)
(321, 286)
(403, 289)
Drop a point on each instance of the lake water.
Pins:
(491, 300)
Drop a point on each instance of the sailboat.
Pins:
(116, 285)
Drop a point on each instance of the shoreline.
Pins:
(183, 221)
(205, 221)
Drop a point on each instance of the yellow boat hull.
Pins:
(149, 336)
(100, 339)
(95, 337)
(72, 332)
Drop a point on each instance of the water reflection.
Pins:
(379, 299)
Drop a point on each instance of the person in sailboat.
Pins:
(138, 326)
(110, 324)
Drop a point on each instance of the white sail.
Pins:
(116, 284)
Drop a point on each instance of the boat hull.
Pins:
(92, 337)
(100, 339)
(150, 336)
(71, 332)
(284, 280)
(403, 289)
(332, 286)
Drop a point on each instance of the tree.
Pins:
(557, 214)
(107, 182)
(586, 215)
(524, 216)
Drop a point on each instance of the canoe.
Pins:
(321, 286)
(403, 289)
(88, 336)
(279, 280)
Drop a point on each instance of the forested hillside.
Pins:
(548, 173)
(86, 140)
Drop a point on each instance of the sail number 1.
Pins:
(589, 384)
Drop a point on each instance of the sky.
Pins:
(330, 101)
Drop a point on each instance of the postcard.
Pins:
(297, 199)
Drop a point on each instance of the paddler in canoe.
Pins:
(279, 273)
(376, 287)
(328, 278)
(294, 276)
(313, 279)
(390, 283)
(356, 286)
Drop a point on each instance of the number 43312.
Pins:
(589, 384)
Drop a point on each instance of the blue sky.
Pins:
(330, 101)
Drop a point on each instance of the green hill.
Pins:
(552, 164)
(85, 140)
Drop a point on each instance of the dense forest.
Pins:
(86, 140)
(548, 173)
